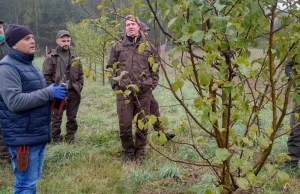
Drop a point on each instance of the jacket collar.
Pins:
(54, 52)
(126, 42)
(20, 56)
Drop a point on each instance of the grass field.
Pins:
(93, 164)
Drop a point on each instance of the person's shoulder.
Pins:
(118, 43)
(73, 54)
(52, 52)
(6, 69)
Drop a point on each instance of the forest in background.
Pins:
(46, 17)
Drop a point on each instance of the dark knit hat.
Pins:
(14, 33)
(1, 22)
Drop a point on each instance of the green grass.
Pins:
(93, 164)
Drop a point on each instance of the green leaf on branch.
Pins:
(201, 140)
(251, 178)
(247, 141)
(213, 117)
(164, 120)
(141, 47)
(198, 102)
(264, 143)
(209, 191)
(155, 67)
(123, 73)
(268, 131)
(198, 2)
(222, 154)
(87, 72)
(218, 6)
(152, 118)
(135, 118)
(178, 84)
(115, 65)
(172, 21)
(141, 124)
(283, 177)
(184, 38)
(117, 92)
(270, 169)
(242, 60)
(282, 157)
(102, 5)
(242, 183)
(154, 135)
(134, 87)
(188, 70)
(127, 92)
(151, 60)
(162, 138)
(198, 36)
(176, 8)
(204, 78)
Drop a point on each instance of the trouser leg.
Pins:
(25, 181)
(56, 120)
(294, 137)
(125, 114)
(143, 103)
(71, 111)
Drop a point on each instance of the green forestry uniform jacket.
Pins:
(126, 54)
(52, 70)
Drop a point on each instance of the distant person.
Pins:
(154, 106)
(61, 65)
(125, 54)
(24, 108)
(4, 153)
(294, 137)
(3, 45)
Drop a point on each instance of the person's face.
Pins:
(26, 45)
(64, 42)
(132, 28)
(145, 33)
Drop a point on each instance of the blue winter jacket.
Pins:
(24, 101)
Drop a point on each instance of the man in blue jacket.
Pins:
(24, 108)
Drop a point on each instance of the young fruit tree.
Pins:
(240, 99)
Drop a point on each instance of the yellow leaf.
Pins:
(87, 72)
(117, 92)
(75, 61)
(269, 131)
(107, 74)
(134, 87)
(141, 124)
(155, 67)
(141, 47)
(84, 22)
(201, 140)
(151, 60)
(94, 77)
(115, 65)
(162, 138)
